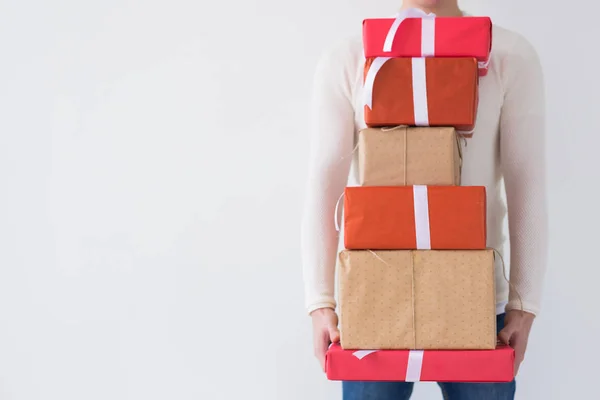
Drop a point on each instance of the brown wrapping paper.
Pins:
(417, 299)
(409, 156)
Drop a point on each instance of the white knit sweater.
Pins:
(507, 147)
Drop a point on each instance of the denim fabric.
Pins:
(450, 391)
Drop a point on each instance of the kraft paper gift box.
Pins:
(415, 217)
(421, 92)
(409, 156)
(420, 35)
(483, 366)
(417, 299)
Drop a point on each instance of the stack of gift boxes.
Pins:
(416, 281)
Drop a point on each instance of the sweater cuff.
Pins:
(321, 304)
(515, 304)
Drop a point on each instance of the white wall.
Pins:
(152, 160)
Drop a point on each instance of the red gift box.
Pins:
(430, 37)
(418, 365)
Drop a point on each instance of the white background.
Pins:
(152, 163)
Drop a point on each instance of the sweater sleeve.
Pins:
(522, 157)
(330, 155)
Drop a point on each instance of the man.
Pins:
(508, 143)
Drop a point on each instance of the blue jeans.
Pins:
(450, 391)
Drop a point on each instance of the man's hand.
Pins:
(517, 326)
(325, 332)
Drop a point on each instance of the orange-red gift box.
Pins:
(415, 217)
(451, 37)
(487, 366)
(421, 92)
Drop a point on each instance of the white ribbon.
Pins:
(484, 64)
(428, 37)
(360, 354)
(336, 216)
(419, 84)
(428, 32)
(414, 366)
(422, 227)
(370, 79)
